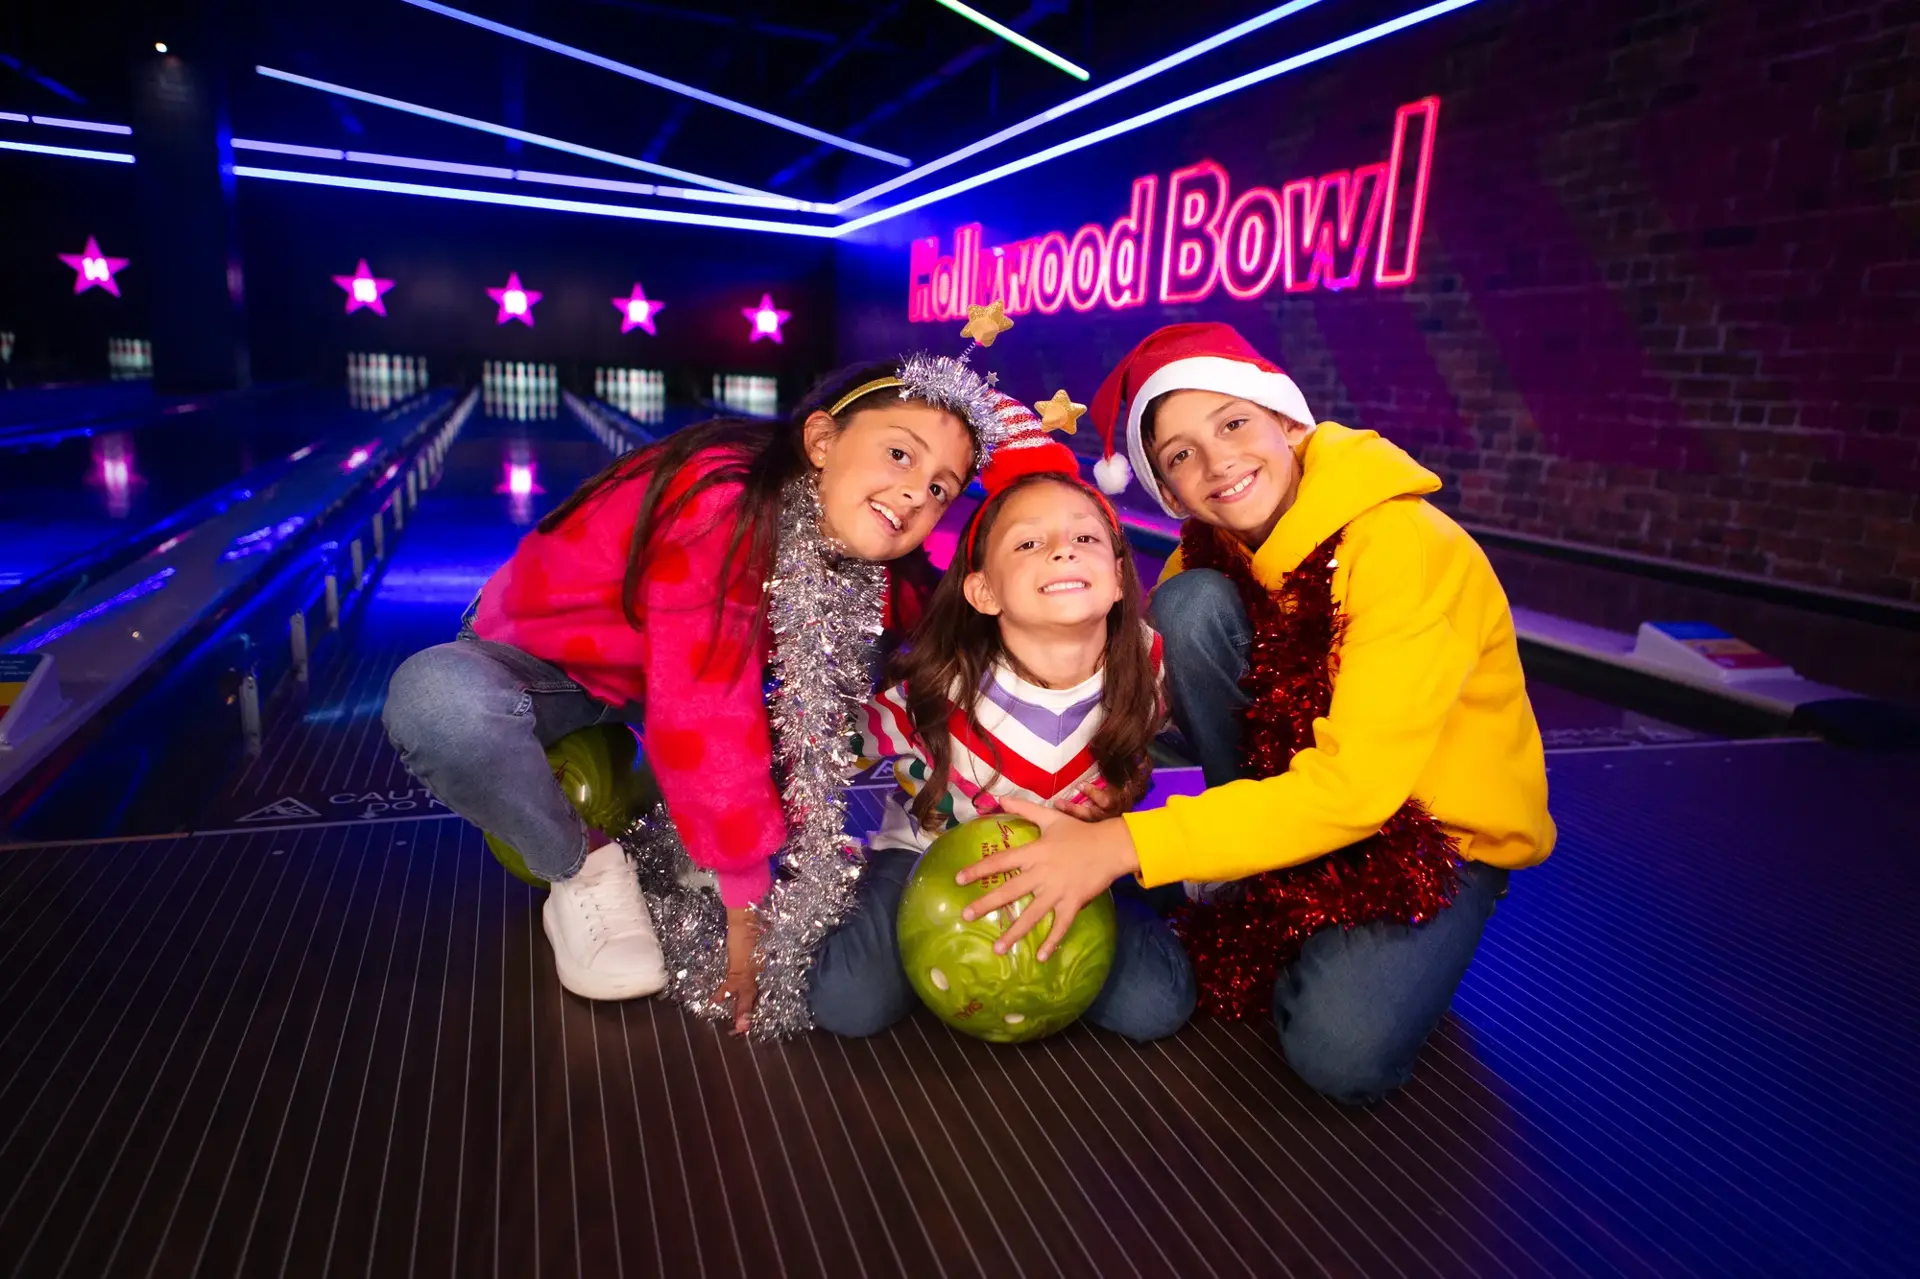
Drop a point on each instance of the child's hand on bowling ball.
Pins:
(742, 984)
(1068, 866)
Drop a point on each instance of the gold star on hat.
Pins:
(985, 323)
(1059, 413)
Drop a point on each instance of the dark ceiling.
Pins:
(905, 76)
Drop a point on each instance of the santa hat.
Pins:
(1027, 447)
(1183, 357)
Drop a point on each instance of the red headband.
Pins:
(1029, 450)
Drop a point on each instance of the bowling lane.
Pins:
(70, 503)
(326, 754)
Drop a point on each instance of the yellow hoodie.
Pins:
(1428, 696)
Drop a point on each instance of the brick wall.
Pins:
(1679, 314)
(1668, 298)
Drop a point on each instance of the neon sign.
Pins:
(1334, 231)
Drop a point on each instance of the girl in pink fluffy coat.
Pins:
(645, 597)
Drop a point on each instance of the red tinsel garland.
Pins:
(1407, 873)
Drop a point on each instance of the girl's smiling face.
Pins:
(1225, 461)
(887, 474)
(1047, 560)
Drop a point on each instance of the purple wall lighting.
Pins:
(145, 587)
(263, 541)
(113, 470)
(364, 289)
(764, 320)
(637, 310)
(515, 301)
(93, 269)
(520, 477)
(520, 482)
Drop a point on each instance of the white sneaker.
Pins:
(602, 937)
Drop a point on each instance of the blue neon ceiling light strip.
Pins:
(1192, 100)
(513, 200)
(1071, 105)
(77, 153)
(1269, 72)
(673, 193)
(14, 117)
(91, 126)
(1008, 34)
(431, 166)
(501, 130)
(288, 148)
(661, 82)
(780, 202)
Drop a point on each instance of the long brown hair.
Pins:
(955, 648)
(759, 456)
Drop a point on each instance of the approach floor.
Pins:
(1688, 1046)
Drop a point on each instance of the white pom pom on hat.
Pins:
(1184, 357)
(1112, 473)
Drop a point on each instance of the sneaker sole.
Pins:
(588, 984)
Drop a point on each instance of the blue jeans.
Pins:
(1355, 1009)
(858, 986)
(472, 720)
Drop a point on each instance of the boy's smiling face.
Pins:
(1225, 461)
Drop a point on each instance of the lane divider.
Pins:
(412, 479)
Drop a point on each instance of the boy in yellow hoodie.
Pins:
(1342, 660)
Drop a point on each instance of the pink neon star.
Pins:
(92, 267)
(637, 310)
(765, 319)
(515, 301)
(364, 289)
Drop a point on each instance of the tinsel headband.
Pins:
(864, 389)
(949, 382)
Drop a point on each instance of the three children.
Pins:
(1337, 653)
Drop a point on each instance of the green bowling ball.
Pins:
(600, 771)
(950, 962)
(516, 865)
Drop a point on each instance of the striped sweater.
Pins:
(1028, 742)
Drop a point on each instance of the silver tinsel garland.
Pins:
(825, 612)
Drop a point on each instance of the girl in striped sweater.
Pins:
(1040, 616)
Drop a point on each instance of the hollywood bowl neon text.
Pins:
(1335, 231)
